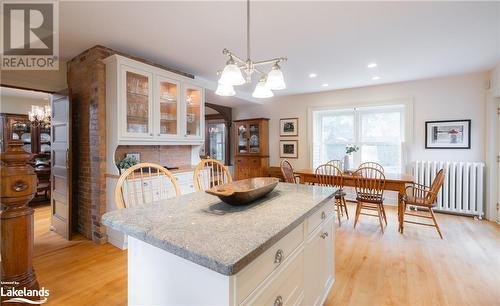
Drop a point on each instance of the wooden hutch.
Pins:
(35, 139)
(251, 148)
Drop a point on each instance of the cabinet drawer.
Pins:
(284, 288)
(321, 215)
(241, 161)
(184, 176)
(255, 273)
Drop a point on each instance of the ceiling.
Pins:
(335, 40)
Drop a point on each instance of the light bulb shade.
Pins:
(262, 91)
(231, 75)
(275, 79)
(225, 90)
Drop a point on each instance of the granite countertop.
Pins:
(202, 229)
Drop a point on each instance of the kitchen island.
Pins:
(195, 250)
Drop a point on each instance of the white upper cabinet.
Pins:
(194, 111)
(149, 105)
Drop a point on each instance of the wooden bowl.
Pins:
(244, 191)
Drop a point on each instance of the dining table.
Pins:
(393, 182)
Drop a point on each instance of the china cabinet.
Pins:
(36, 139)
(149, 105)
(252, 147)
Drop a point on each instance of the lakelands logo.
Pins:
(10, 294)
(30, 35)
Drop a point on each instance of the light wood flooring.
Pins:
(416, 268)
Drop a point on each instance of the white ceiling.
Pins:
(336, 40)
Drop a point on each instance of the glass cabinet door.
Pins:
(242, 138)
(168, 107)
(193, 101)
(21, 130)
(254, 139)
(138, 103)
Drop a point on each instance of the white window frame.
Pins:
(407, 136)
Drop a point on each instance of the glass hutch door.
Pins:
(193, 101)
(254, 138)
(242, 138)
(168, 109)
(138, 121)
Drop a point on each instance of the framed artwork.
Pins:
(289, 148)
(137, 156)
(447, 134)
(289, 127)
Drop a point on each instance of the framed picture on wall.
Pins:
(447, 134)
(289, 127)
(289, 148)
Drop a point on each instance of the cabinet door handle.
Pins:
(324, 235)
(323, 216)
(150, 134)
(278, 301)
(278, 258)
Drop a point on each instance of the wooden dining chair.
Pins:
(337, 163)
(144, 185)
(372, 165)
(369, 185)
(209, 173)
(424, 197)
(287, 172)
(331, 176)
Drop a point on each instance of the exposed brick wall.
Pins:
(87, 91)
(172, 156)
(87, 88)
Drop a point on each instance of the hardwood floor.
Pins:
(416, 268)
(78, 272)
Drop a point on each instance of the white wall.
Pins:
(45, 80)
(19, 105)
(456, 97)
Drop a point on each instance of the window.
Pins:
(378, 131)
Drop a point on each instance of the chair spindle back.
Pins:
(329, 175)
(209, 173)
(287, 171)
(370, 183)
(372, 165)
(144, 185)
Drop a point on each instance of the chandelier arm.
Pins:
(271, 61)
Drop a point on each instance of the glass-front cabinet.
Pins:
(149, 105)
(168, 99)
(138, 102)
(193, 105)
(250, 138)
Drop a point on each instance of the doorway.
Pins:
(218, 121)
(35, 118)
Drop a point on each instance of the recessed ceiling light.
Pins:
(324, 85)
(376, 78)
(312, 75)
(372, 65)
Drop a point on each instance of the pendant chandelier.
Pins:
(40, 115)
(232, 74)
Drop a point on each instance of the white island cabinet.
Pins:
(278, 251)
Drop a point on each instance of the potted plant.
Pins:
(125, 163)
(349, 149)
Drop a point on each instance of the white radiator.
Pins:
(463, 187)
